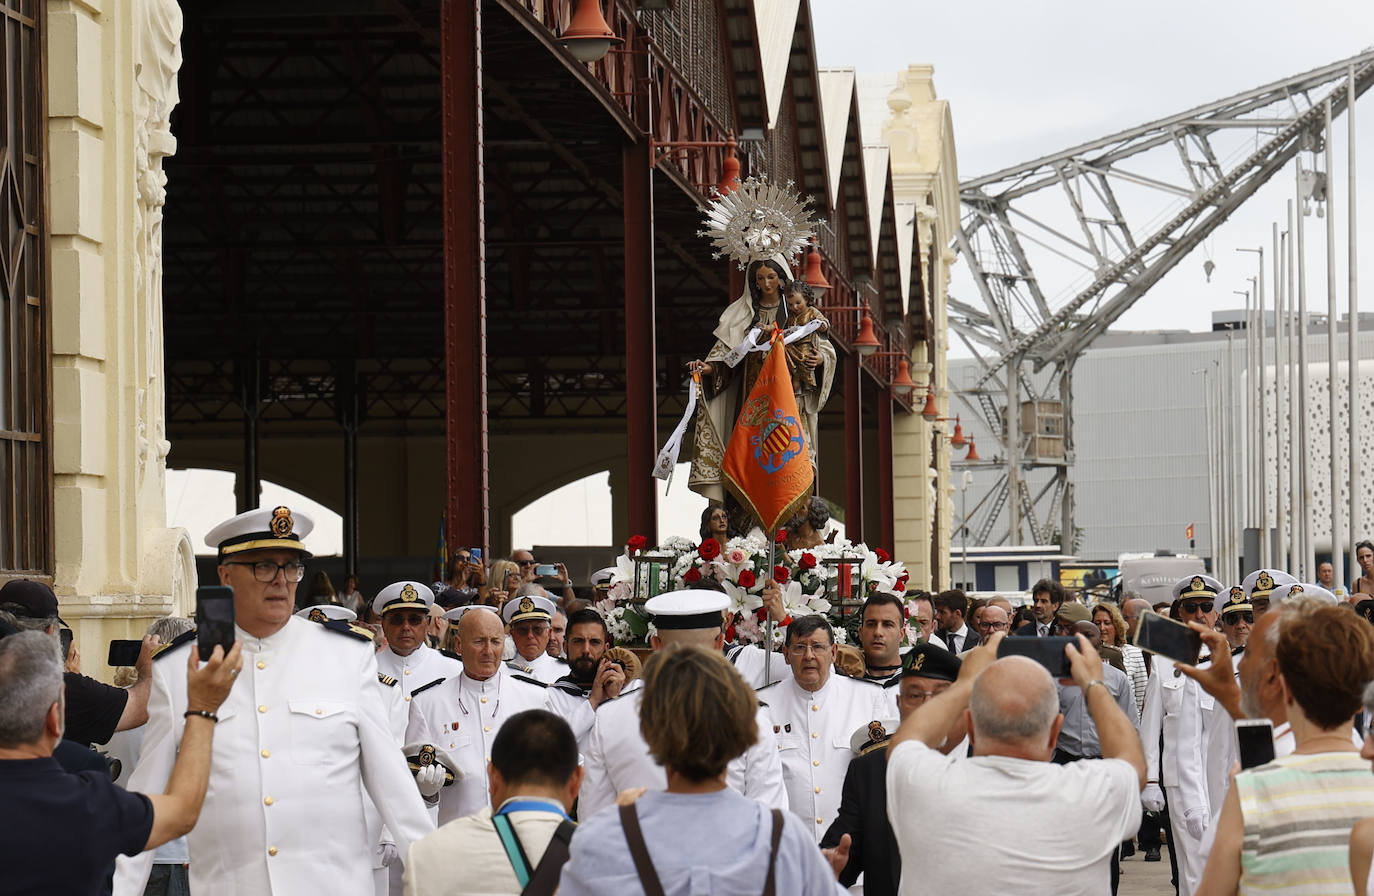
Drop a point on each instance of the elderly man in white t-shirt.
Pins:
(1044, 828)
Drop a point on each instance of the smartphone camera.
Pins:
(546, 569)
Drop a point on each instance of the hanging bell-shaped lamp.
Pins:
(729, 178)
(972, 451)
(958, 440)
(815, 278)
(930, 412)
(587, 36)
(867, 342)
(902, 383)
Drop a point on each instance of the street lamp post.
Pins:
(1261, 433)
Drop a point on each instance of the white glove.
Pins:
(1152, 798)
(429, 779)
(387, 854)
(1195, 821)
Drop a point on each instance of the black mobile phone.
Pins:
(64, 637)
(1167, 637)
(124, 653)
(1048, 652)
(1256, 739)
(214, 619)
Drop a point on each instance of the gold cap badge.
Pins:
(282, 523)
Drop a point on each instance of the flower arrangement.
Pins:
(740, 567)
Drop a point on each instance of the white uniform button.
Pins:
(815, 708)
(818, 790)
(815, 734)
(269, 801)
(407, 671)
(484, 699)
(262, 708)
(407, 699)
(266, 754)
(271, 850)
(819, 821)
(261, 664)
(486, 727)
(816, 762)
(319, 712)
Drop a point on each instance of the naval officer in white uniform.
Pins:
(404, 608)
(462, 715)
(301, 743)
(529, 618)
(616, 757)
(813, 713)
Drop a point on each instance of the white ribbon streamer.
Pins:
(667, 458)
(792, 334)
(749, 344)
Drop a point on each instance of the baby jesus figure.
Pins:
(801, 310)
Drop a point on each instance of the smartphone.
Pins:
(64, 637)
(124, 653)
(1256, 739)
(1048, 652)
(214, 619)
(1168, 638)
(476, 553)
(546, 569)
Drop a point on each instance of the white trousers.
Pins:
(1189, 852)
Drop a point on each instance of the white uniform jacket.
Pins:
(462, 716)
(1171, 709)
(423, 666)
(616, 758)
(547, 669)
(813, 729)
(758, 667)
(301, 743)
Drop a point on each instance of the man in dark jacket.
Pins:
(928, 670)
(1047, 596)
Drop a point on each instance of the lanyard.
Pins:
(531, 806)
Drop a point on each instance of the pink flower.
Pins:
(736, 556)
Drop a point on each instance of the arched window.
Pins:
(198, 500)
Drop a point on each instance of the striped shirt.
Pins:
(1298, 811)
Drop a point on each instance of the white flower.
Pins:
(678, 545)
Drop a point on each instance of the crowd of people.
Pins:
(484, 734)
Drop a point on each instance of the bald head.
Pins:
(479, 622)
(1014, 705)
(1090, 631)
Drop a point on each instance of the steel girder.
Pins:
(1105, 221)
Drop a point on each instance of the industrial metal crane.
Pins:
(1104, 221)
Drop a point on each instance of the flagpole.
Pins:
(768, 617)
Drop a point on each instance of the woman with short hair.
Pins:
(698, 836)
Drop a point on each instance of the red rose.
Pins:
(781, 574)
(780, 537)
(762, 614)
(807, 561)
(883, 556)
(709, 550)
(636, 543)
(692, 575)
(746, 578)
(730, 633)
(901, 582)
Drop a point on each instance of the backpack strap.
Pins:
(770, 883)
(546, 876)
(515, 850)
(644, 866)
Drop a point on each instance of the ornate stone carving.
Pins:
(157, 48)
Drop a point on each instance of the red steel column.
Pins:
(854, 451)
(641, 378)
(887, 524)
(465, 299)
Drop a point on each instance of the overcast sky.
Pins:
(1026, 79)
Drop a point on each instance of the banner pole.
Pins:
(768, 620)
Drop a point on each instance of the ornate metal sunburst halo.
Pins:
(758, 221)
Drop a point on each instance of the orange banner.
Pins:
(768, 462)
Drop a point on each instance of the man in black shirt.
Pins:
(95, 711)
(50, 810)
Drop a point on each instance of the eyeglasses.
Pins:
(1196, 606)
(265, 571)
(804, 649)
(525, 563)
(1238, 616)
(411, 619)
(992, 626)
(923, 696)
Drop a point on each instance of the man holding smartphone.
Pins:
(302, 741)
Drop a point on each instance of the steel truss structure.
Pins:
(1106, 219)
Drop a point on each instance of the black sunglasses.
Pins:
(1196, 606)
(1237, 616)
